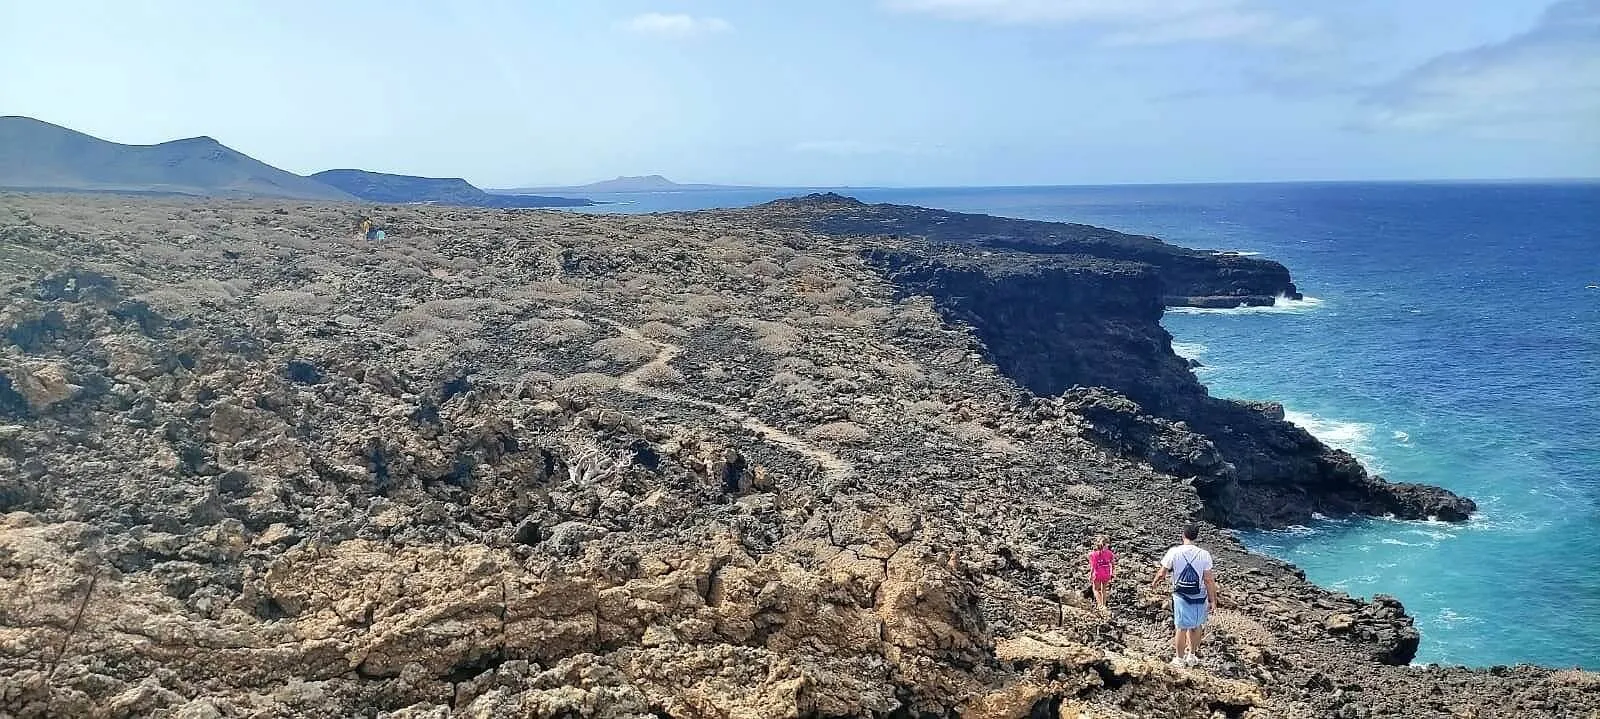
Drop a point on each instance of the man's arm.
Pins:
(1161, 573)
(1211, 589)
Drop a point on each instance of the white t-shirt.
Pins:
(1185, 555)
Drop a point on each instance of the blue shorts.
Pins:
(1188, 616)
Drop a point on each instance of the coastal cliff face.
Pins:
(695, 466)
(1076, 309)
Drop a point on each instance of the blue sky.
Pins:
(832, 92)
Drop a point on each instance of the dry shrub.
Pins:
(551, 290)
(662, 331)
(416, 321)
(462, 308)
(660, 375)
(871, 315)
(401, 270)
(573, 326)
(295, 302)
(904, 372)
(775, 337)
(208, 289)
(833, 321)
(586, 382)
(1085, 493)
(793, 364)
(626, 350)
(705, 304)
(787, 379)
(834, 371)
(763, 268)
(169, 301)
(800, 263)
(840, 432)
(971, 432)
(929, 407)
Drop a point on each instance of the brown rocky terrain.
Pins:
(765, 463)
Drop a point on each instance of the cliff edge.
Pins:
(619, 467)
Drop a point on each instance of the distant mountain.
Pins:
(36, 155)
(639, 183)
(382, 187)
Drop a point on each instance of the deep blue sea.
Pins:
(1450, 336)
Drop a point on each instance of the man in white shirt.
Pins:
(1194, 594)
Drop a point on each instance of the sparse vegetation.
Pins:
(840, 432)
(586, 383)
(660, 375)
(626, 350)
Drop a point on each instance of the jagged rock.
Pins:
(307, 477)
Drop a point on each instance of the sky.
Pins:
(832, 92)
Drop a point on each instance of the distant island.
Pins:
(636, 183)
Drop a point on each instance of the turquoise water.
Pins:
(1452, 337)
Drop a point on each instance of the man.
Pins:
(1194, 594)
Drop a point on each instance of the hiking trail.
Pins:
(834, 467)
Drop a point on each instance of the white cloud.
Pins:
(676, 26)
(1543, 83)
(1131, 22)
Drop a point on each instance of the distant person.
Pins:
(369, 229)
(1194, 594)
(1102, 568)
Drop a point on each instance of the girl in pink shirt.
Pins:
(1102, 567)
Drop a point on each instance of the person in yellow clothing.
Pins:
(368, 229)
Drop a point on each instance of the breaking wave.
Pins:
(1280, 306)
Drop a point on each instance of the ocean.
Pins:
(1450, 335)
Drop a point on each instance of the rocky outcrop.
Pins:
(600, 467)
(1061, 323)
(1194, 278)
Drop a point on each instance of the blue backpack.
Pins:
(1187, 585)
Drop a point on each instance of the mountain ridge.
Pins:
(39, 155)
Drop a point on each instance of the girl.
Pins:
(1102, 567)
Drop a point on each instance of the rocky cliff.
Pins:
(1075, 309)
(548, 465)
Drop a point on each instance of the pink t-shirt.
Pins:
(1101, 561)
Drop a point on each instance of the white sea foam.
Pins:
(1401, 437)
(1188, 350)
(1280, 306)
(1240, 253)
(1352, 437)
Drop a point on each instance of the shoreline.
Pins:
(634, 463)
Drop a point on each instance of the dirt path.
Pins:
(834, 467)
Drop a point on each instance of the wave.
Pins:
(1280, 306)
(1188, 350)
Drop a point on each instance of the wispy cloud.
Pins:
(1542, 83)
(1133, 22)
(676, 26)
